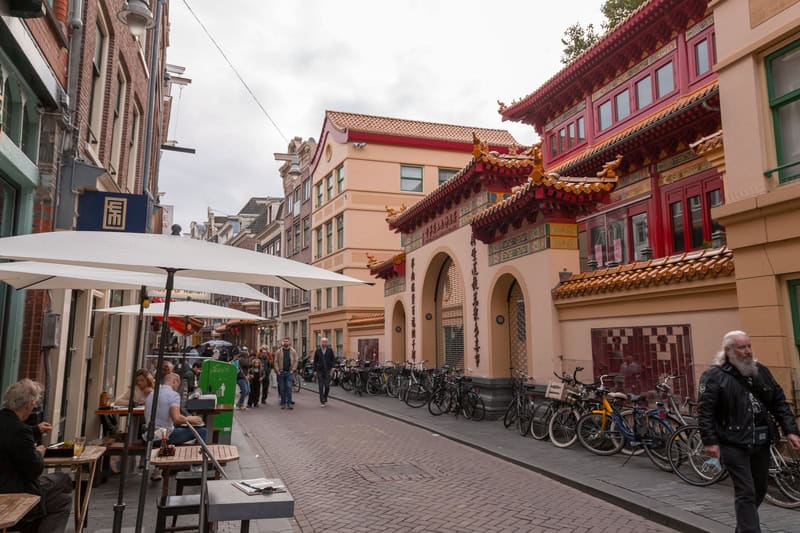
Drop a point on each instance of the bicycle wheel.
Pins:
(783, 488)
(416, 395)
(472, 406)
(525, 415)
(628, 448)
(659, 433)
(689, 460)
(373, 385)
(296, 385)
(511, 414)
(392, 386)
(562, 427)
(439, 403)
(540, 420)
(346, 382)
(599, 434)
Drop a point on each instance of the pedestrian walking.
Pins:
(256, 378)
(737, 394)
(324, 361)
(285, 365)
(242, 377)
(266, 363)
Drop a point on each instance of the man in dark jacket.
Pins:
(736, 395)
(324, 361)
(22, 462)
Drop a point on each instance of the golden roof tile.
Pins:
(687, 266)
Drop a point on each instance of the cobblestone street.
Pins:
(352, 470)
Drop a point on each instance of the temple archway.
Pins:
(509, 338)
(443, 313)
(398, 343)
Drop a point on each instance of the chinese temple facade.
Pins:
(596, 247)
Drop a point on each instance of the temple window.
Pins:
(571, 135)
(665, 80)
(688, 212)
(615, 237)
(581, 124)
(783, 82)
(562, 140)
(553, 146)
(622, 102)
(644, 92)
(410, 178)
(604, 115)
(446, 173)
(702, 61)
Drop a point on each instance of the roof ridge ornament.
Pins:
(610, 169)
(392, 212)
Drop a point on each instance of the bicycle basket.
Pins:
(562, 392)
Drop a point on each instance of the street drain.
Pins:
(392, 472)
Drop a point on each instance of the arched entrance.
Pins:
(509, 327)
(449, 316)
(398, 343)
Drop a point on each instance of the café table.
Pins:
(14, 506)
(209, 414)
(188, 456)
(227, 503)
(90, 457)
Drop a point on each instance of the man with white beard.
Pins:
(736, 395)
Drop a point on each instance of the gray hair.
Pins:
(727, 341)
(21, 394)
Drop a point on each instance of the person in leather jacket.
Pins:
(737, 395)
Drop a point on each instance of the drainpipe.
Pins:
(73, 69)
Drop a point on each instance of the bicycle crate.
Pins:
(562, 392)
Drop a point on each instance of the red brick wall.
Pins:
(45, 32)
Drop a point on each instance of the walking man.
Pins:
(243, 377)
(266, 362)
(285, 365)
(736, 395)
(324, 361)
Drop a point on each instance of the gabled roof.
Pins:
(398, 127)
(688, 266)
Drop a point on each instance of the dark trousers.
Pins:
(255, 393)
(265, 385)
(324, 384)
(57, 496)
(749, 470)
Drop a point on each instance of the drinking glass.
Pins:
(78, 444)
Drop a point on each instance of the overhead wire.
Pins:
(233, 68)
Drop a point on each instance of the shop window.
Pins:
(622, 102)
(604, 115)
(410, 178)
(665, 80)
(783, 81)
(644, 92)
(446, 173)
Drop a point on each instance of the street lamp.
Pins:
(137, 16)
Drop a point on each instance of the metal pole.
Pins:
(151, 104)
(119, 508)
(151, 426)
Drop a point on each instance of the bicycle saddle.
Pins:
(618, 395)
(636, 397)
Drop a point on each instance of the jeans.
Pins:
(180, 435)
(255, 392)
(324, 384)
(244, 391)
(57, 496)
(749, 470)
(285, 386)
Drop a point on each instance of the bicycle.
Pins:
(520, 410)
(417, 393)
(605, 431)
(570, 400)
(688, 459)
(783, 487)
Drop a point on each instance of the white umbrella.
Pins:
(174, 255)
(144, 252)
(195, 309)
(35, 275)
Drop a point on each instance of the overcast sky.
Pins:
(434, 60)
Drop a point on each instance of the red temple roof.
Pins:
(652, 22)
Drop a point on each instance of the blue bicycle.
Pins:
(607, 430)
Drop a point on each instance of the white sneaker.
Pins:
(322, 405)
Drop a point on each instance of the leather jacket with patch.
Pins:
(725, 411)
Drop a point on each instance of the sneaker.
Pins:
(155, 475)
(322, 404)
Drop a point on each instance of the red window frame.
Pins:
(559, 140)
(681, 191)
(625, 213)
(710, 35)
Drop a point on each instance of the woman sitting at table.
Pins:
(145, 384)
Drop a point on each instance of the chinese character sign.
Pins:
(114, 210)
(104, 211)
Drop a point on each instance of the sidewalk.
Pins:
(637, 486)
(104, 497)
